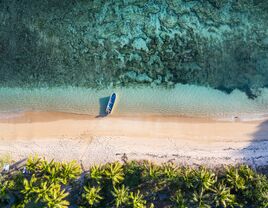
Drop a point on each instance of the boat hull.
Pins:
(111, 103)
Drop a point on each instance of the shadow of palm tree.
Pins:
(256, 153)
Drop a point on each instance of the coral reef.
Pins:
(218, 43)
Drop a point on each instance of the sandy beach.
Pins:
(90, 139)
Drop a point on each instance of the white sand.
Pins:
(160, 139)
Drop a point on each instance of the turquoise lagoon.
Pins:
(193, 58)
(182, 100)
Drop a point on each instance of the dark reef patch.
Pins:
(221, 44)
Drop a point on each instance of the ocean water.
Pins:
(183, 100)
(173, 57)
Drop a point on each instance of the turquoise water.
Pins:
(175, 57)
(183, 100)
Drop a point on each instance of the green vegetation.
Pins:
(131, 185)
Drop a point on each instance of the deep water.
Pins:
(222, 44)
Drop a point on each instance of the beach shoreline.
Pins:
(92, 139)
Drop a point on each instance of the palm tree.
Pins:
(55, 197)
(170, 171)
(69, 171)
(28, 191)
(114, 172)
(96, 173)
(234, 179)
(222, 196)
(33, 163)
(264, 199)
(133, 172)
(179, 200)
(204, 178)
(52, 172)
(29, 186)
(5, 196)
(188, 177)
(256, 190)
(41, 191)
(121, 196)
(92, 195)
(136, 200)
(201, 198)
(152, 171)
(246, 172)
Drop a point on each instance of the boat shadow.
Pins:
(102, 107)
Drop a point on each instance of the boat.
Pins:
(110, 104)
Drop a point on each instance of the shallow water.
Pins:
(183, 56)
(183, 100)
